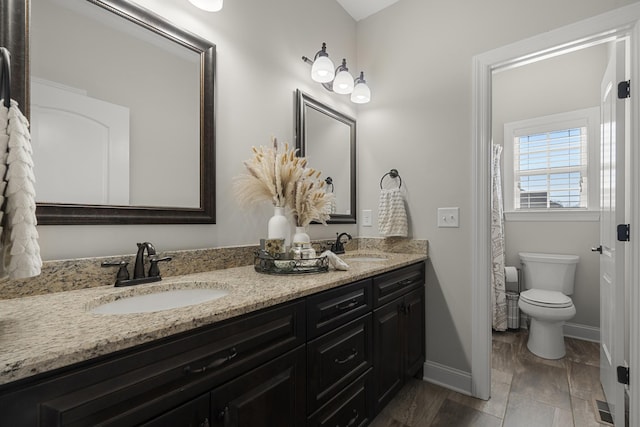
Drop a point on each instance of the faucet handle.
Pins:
(123, 273)
(154, 271)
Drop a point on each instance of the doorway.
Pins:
(622, 22)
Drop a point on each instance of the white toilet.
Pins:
(549, 279)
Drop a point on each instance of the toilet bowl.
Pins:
(549, 279)
(548, 312)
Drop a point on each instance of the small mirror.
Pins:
(327, 138)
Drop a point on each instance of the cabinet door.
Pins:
(191, 414)
(414, 329)
(268, 396)
(388, 354)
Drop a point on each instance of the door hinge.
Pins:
(623, 232)
(623, 375)
(624, 89)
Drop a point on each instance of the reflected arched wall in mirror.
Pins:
(327, 138)
(155, 78)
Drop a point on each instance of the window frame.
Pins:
(587, 117)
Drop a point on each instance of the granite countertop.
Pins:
(45, 332)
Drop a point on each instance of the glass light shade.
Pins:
(208, 5)
(361, 94)
(343, 83)
(322, 70)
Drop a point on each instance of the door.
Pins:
(612, 198)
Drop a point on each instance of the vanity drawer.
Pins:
(389, 286)
(337, 358)
(330, 309)
(134, 385)
(351, 407)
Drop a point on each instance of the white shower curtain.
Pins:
(498, 300)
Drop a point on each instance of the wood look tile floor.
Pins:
(526, 391)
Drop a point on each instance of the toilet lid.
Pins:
(544, 298)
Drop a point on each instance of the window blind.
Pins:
(550, 170)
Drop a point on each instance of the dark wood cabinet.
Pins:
(334, 358)
(399, 332)
(271, 395)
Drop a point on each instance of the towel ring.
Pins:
(329, 181)
(393, 173)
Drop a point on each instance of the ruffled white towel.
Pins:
(21, 252)
(392, 216)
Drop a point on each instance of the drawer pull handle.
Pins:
(215, 364)
(353, 420)
(350, 357)
(405, 282)
(347, 306)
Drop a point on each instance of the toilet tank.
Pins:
(553, 272)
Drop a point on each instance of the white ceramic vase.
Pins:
(278, 226)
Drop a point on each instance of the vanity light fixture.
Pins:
(361, 93)
(322, 66)
(339, 80)
(343, 83)
(208, 5)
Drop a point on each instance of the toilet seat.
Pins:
(545, 298)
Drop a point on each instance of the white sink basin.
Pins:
(365, 258)
(158, 301)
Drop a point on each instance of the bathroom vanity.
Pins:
(316, 350)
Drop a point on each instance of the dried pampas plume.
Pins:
(277, 175)
(272, 173)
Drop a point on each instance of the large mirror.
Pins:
(327, 138)
(121, 104)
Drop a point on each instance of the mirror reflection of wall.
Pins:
(159, 89)
(328, 149)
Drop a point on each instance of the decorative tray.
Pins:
(266, 264)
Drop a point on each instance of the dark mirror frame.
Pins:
(15, 24)
(303, 101)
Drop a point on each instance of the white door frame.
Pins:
(618, 22)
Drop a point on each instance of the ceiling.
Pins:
(360, 9)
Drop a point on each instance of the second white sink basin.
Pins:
(158, 301)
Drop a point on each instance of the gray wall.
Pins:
(556, 85)
(419, 121)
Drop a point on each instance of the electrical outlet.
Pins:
(448, 217)
(366, 218)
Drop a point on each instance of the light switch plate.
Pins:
(366, 218)
(448, 217)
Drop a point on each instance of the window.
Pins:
(551, 163)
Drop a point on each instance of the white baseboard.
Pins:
(445, 376)
(582, 332)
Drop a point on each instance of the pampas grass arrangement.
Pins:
(277, 175)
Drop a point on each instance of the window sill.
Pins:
(559, 216)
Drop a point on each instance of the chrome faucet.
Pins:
(338, 246)
(138, 269)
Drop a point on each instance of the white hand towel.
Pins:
(392, 216)
(336, 262)
(21, 251)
